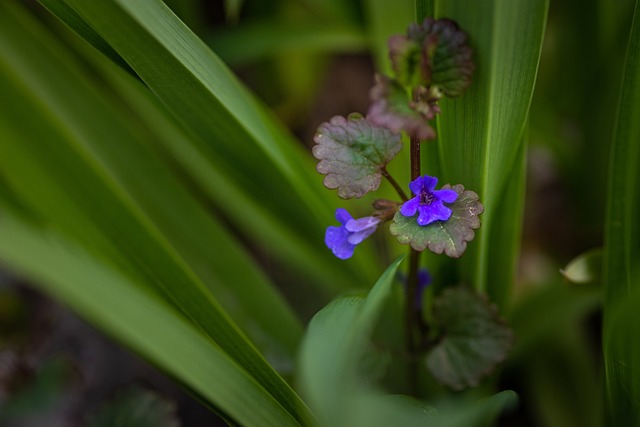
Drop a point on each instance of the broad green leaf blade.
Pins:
(229, 127)
(332, 380)
(353, 154)
(73, 20)
(63, 170)
(333, 348)
(480, 133)
(136, 407)
(620, 242)
(621, 249)
(505, 239)
(258, 221)
(622, 359)
(138, 319)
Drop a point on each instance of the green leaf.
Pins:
(622, 248)
(480, 134)
(80, 169)
(393, 108)
(622, 360)
(228, 127)
(141, 321)
(353, 153)
(334, 346)
(136, 407)
(434, 54)
(449, 236)
(586, 268)
(475, 339)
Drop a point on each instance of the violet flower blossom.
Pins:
(428, 201)
(343, 240)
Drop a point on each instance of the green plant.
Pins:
(142, 184)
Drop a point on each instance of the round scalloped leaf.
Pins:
(352, 154)
(444, 63)
(393, 109)
(449, 236)
(475, 338)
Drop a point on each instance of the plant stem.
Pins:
(415, 158)
(412, 317)
(395, 184)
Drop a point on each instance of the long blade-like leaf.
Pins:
(230, 127)
(70, 177)
(480, 133)
(621, 249)
(139, 320)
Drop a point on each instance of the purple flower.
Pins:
(344, 239)
(428, 201)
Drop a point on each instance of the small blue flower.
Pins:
(428, 201)
(344, 239)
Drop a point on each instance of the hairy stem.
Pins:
(395, 184)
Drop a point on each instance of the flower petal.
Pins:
(410, 207)
(343, 216)
(336, 239)
(357, 237)
(426, 216)
(416, 186)
(423, 183)
(447, 196)
(440, 211)
(361, 224)
(334, 236)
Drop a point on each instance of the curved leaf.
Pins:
(435, 54)
(138, 319)
(475, 338)
(333, 348)
(480, 134)
(353, 153)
